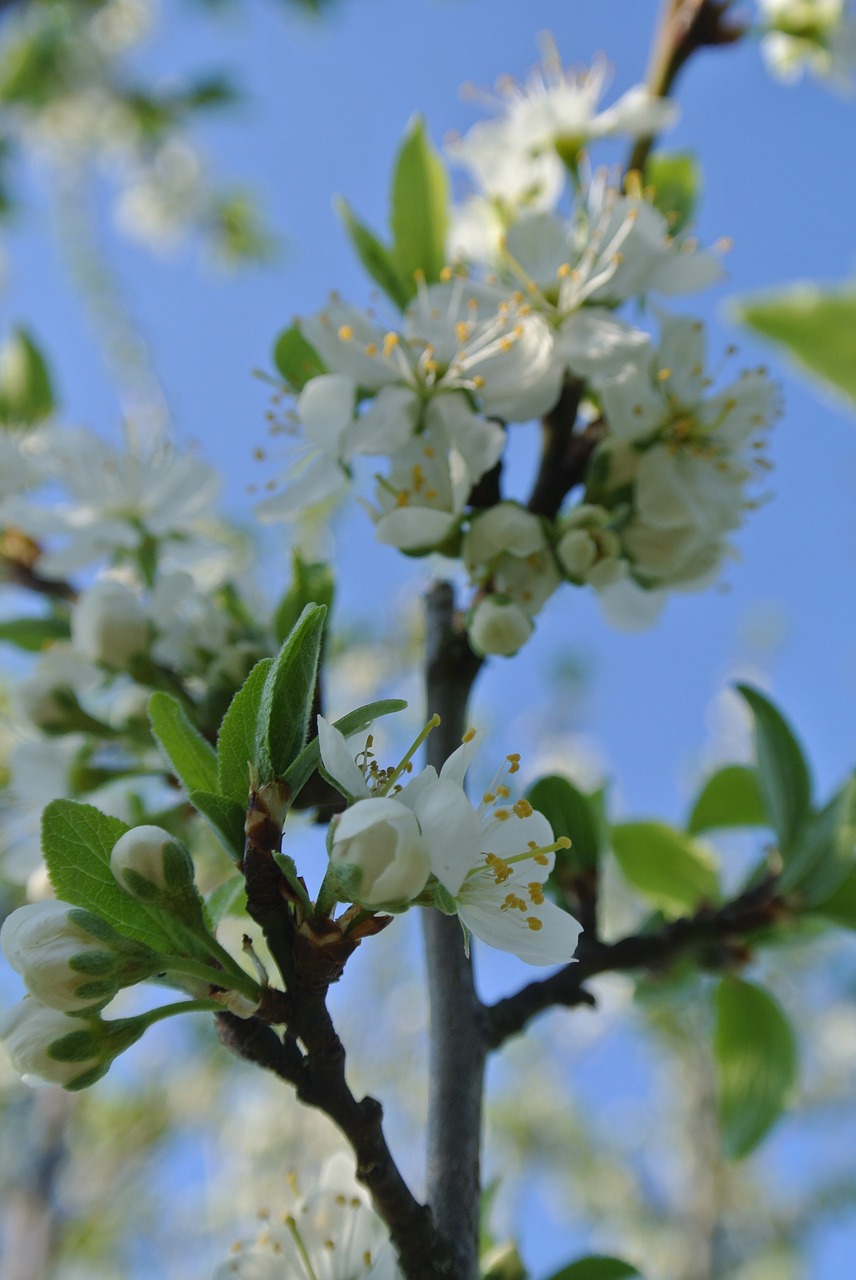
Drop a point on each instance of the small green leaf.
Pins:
(374, 255)
(816, 327)
(236, 741)
(676, 180)
(782, 770)
(192, 758)
(668, 868)
(310, 757)
(757, 1063)
(287, 696)
(825, 850)
(311, 583)
(77, 841)
(34, 634)
(419, 216)
(228, 899)
(570, 812)
(226, 816)
(26, 392)
(596, 1267)
(731, 797)
(840, 907)
(296, 359)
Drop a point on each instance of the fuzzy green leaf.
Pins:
(675, 177)
(226, 817)
(236, 741)
(668, 868)
(287, 695)
(419, 216)
(731, 797)
(311, 583)
(374, 255)
(782, 770)
(228, 899)
(596, 1268)
(192, 758)
(77, 840)
(34, 634)
(756, 1060)
(816, 327)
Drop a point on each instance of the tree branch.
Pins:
(685, 26)
(564, 455)
(458, 1044)
(729, 925)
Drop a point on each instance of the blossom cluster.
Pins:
(529, 320)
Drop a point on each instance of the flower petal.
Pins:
(452, 832)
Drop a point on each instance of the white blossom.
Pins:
(816, 34)
(328, 1233)
(31, 1032)
(506, 546)
(109, 625)
(499, 626)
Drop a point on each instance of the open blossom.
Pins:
(817, 34)
(506, 547)
(109, 625)
(328, 1233)
(693, 455)
(491, 861)
(517, 158)
(114, 498)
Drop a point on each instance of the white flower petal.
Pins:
(452, 832)
(339, 761)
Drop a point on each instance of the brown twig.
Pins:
(728, 925)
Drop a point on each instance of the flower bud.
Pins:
(148, 861)
(71, 959)
(108, 624)
(381, 839)
(48, 1047)
(498, 626)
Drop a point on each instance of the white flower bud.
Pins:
(577, 552)
(32, 1033)
(108, 624)
(152, 855)
(383, 840)
(506, 529)
(70, 959)
(497, 626)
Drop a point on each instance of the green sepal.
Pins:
(443, 900)
(756, 1060)
(296, 359)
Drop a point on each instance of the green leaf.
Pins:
(840, 907)
(816, 327)
(419, 216)
(77, 841)
(287, 696)
(823, 855)
(226, 816)
(374, 255)
(228, 899)
(296, 359)
(310, 757)
(192, 758)
(596, 1267)
(311, 583)
(34, 634)
(676, 180)
(731, 797)
(236, 741)
(570, 812)
(782, 770)
(668, 868)
(26, 392)
(756, 1060)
